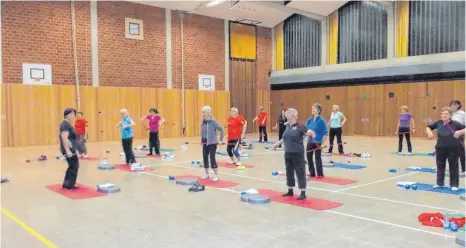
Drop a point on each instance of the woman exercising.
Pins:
(262, 122)
(126, 127)
(81, 125)
(337, 120)
(209, 128)
(459, 116)
(314, 145)
(405, 123)
(155, 121)
(447, 147)
(281, 124)
(293, 138)
(68, 145)
(236, 130)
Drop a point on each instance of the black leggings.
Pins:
(128, 150)
(71, 173)
(441, 156)
(461, 155)
(294, 162)
(317, 156)
(208, 151)
(281, 130)
(336, 132)
(232, 148)
(263, 132)
(154, 142)
(406, 132)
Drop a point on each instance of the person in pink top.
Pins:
(155, 120)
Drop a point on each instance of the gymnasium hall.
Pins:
(233, 124)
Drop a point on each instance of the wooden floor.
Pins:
(152, 211)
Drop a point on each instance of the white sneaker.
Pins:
(232, 162)
(85, 156)
(205, 177)
(454, 188)
(238, 163)
(436, 186)
(215, 179)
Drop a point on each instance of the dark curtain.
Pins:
(302, 41)
(362, 32)
(436, 27)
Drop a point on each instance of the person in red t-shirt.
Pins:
(236, 129)
(262, 117)
(80, 125)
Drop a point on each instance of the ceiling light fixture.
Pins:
(215, 2)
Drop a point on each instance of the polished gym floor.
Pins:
(152, 211)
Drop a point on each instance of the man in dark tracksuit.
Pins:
(447, 147)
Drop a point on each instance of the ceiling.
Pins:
(261, 13)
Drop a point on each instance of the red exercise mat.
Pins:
(83, 192)
(124, 167)
(312, 203)
(209, 183)
(326, 179)
(232, 166)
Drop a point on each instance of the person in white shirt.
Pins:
(459, 116)
(336, 121)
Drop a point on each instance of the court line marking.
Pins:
(28, 229)
(331, 191)
(379, 181)
(338, 213)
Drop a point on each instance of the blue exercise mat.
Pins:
(426, 170)
(443, 190)
(349, 166)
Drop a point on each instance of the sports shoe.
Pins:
(232, 162)
(436, 186)
(205, 177)
(85, 155)
(454, 188)
(215, 179)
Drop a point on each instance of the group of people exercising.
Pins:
(450, 140)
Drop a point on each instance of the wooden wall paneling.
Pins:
(130, 99)
(170, 104)
(222, 104)
(417, 102)
(192, 114)
(108, 110)
(88, 96)
(147, 100)
(392, 106)
(242, 89)
(6, 123)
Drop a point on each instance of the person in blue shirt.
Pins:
(317, 124)
(126, 127)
